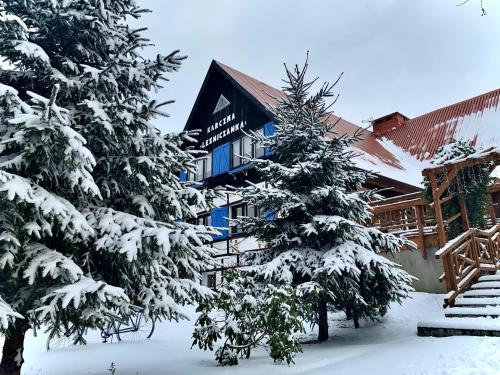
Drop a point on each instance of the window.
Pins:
(244, 209)
(235, 152)
(203, 219)
(208, 166)
(258, 148)
(245, 148)
(199, 170)
(203, 169)
(211, 281)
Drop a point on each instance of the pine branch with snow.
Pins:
(92, 210)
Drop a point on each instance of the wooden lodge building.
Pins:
(397, 149)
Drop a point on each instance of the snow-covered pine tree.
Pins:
(91, 206)
(317, 207)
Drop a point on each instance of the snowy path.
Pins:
(391, 347)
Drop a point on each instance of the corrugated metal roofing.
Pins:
(475, 120)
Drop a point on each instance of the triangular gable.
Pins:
(224, 110)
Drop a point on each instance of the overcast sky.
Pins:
(411, 56)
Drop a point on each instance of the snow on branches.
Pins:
(92, 211)
(245, 315)
(317, 237)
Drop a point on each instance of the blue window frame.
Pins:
(221, 159)
(269, 129)
(219, 217)
(183, 176)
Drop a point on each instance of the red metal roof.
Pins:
(268, 96)
(476, 120)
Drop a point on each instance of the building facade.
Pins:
(231, 104)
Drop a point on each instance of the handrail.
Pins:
(466, 256)
(452, 244)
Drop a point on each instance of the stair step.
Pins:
(459, 327)
(487, 285)
(478, 293)
(477, 302)
(495, 277)
(457, 312)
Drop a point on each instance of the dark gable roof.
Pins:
(381, 160)
(267, 96)
(476, 120)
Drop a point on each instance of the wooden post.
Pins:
(463, 209)
(491, 210)
(420, 225)
(437, 211)
(448, 264)
(476, 247)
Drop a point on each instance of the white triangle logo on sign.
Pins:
(221, 104)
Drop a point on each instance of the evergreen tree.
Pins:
(91, 205)
(316, 209)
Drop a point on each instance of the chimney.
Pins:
(387, 123)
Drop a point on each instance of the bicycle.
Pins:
(136, 328)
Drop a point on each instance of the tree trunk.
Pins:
(348, 313)
(12, 354)
(355, 317)
(322, 319)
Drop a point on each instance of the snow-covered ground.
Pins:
(389, 347)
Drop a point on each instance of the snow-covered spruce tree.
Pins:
(315, 235)
(91, 207)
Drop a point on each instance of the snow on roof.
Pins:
(404, 152)
(374, 155)
(409, 170)
(475, 120)
(482, 155)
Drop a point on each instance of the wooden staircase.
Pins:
(475, 312)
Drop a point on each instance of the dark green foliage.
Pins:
(470, 185)
(318, 238)
(246, 314)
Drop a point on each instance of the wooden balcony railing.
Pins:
(466, 256)
(410, 216)
(407, 215)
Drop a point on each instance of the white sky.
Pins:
(411, 56)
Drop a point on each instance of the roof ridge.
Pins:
(456, 104)
(225, 67)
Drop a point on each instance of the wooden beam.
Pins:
(445, 199)
(437, 211)
(397, 205)
(463, 208)
(420, 225)
(489, 156)
(449, 178)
